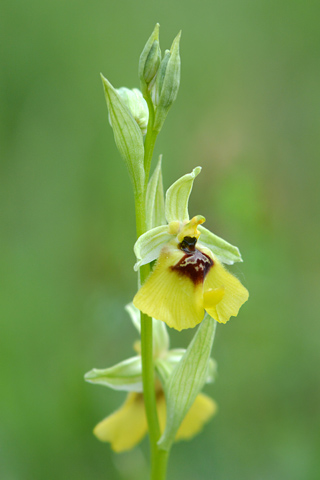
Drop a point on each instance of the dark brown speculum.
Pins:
(194, 264)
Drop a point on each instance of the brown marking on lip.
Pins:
(194, 265)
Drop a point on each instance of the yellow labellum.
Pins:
(126, 427)
(171, 297)
(235, 294)
(213, 296)
(183, 285)
(198, 415)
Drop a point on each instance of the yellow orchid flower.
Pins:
(188, 278)
(126, 427)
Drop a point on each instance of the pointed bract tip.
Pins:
(155, 34)
(105, 81)
(175, 43)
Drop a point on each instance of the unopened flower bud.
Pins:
(157, 86)
(137, 106)
(167, 83)
(150, 60)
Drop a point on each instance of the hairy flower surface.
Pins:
(188, 278)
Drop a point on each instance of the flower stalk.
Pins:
(159, 457)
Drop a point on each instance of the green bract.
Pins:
(149, 245)
(167, 362)
(127, 135)
(187, 380)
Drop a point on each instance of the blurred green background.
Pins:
(248, 112)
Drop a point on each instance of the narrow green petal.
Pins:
(177, 197)
(225, 252)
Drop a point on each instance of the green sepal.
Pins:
(126, 375)
(187, 380)
(148, 246)
(177, 197)
(155, 199)
(225, 252)
(160, 335)
(167, 85)
(127, 135)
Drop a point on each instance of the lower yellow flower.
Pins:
(126, 427)
(187, 280)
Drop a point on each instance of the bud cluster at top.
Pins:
(160, 77)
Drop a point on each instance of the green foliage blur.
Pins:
(248, 113)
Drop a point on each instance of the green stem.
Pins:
(159, 467)
(147, 359)
(150, 140)
(159, 457)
